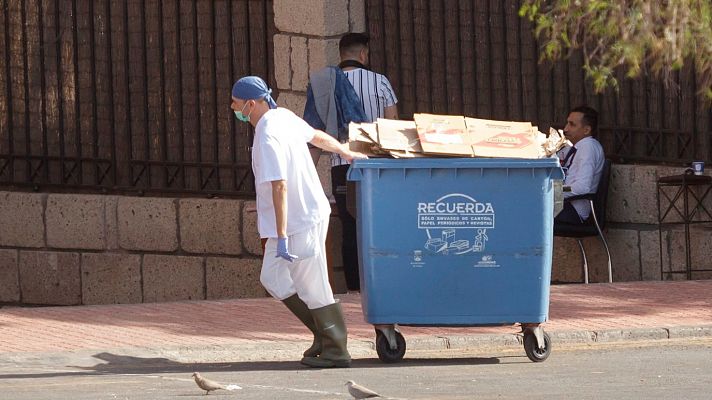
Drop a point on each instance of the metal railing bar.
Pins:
(26, 86)
(214, 83)
(77, 93)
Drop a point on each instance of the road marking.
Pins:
(73, 383)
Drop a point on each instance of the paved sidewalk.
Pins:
(263, 328)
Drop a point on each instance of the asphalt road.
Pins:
(645, 370)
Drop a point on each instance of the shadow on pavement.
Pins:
(117, 364)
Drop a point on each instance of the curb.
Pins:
(488, 341)
(281, 351)
(360, 348)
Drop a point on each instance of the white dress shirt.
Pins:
(583, 171)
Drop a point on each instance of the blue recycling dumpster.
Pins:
(455, 242)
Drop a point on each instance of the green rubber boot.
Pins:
(300, 309)
(332, 329)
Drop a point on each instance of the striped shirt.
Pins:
(376, 94)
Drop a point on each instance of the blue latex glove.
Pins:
(282, 250)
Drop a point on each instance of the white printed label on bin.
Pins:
(456, 224)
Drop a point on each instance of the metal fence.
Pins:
(479, 58)
(132, 95)
(129, 95)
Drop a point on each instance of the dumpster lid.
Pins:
(354, 173)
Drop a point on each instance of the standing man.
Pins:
(378, 101)
(582, 163)
(293, 215)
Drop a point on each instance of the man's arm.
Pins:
(581, 184)
(391, 112)
(279, 199)
(326, 142)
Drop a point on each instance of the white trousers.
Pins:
(306, 276)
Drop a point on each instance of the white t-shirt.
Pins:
(583, 172)
(280, 152)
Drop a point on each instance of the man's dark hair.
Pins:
(352, 41)
(590, 117)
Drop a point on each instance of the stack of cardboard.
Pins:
(386, 137)
(449, 135)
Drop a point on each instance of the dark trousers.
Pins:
(568, 215)
(349, 249)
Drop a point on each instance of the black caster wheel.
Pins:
(533, 351)
(384, 351)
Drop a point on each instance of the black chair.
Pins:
(595, 223)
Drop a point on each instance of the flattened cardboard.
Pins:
(360, 140)
(398, 135)
(358, 132)
(507, 139)
(369, 131)
(450, 135)
(443, 134)
(405, 154)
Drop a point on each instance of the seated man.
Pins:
(582, 163)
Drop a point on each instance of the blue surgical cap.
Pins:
(253, 88)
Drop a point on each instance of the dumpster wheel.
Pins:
(532, 349)
(385, 353)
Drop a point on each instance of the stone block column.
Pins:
(307, 39)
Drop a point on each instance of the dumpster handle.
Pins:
(556, 173)
(354, 174)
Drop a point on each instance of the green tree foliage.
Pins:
(659, 36)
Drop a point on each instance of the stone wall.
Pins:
(66, 249)
(92, 249)
(97, 249)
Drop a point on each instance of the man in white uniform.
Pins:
(582, 163)
(293, 215)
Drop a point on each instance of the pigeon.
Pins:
(360, 392)
(208, 385)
